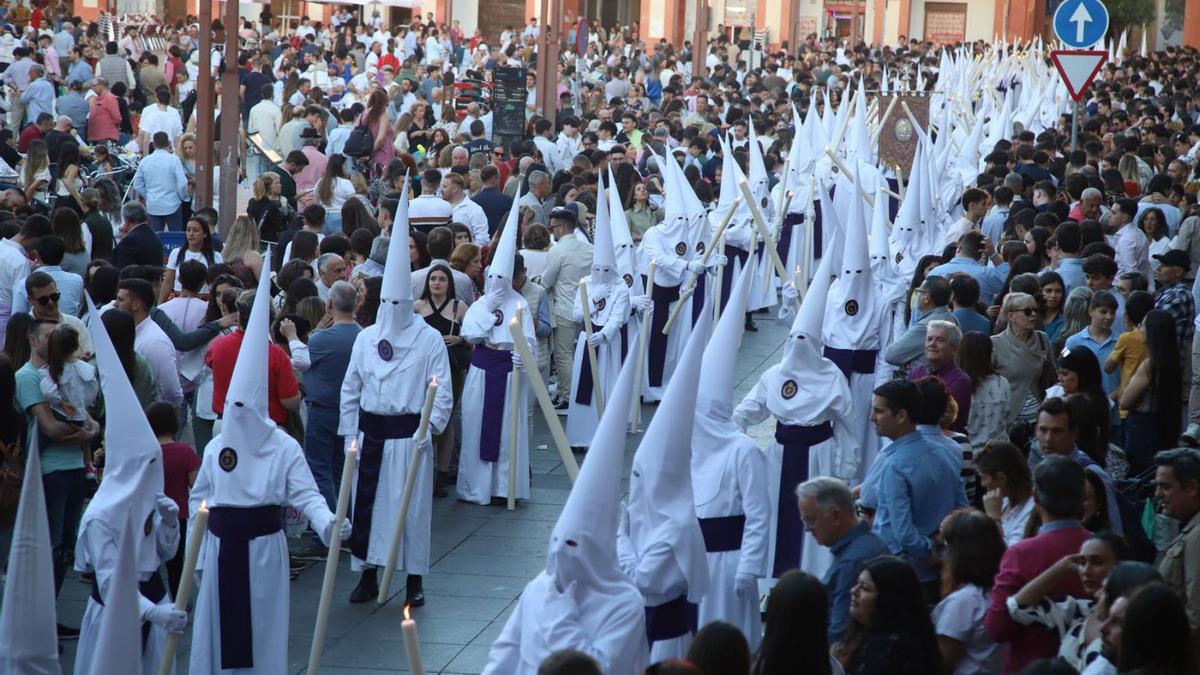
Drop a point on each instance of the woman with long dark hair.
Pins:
(375, 118)
(1008, 500)
(974, 546)
(1053, 294)
(720, 648)
(198, 246)
(121, 331)
(1155, 636)
(891, 630)
(989, 391)
(16, 339)
(333, 190)
(65, 224)
(797, 625)
(68, 185)
(99, 229)
(1079, 375)
(1153, 395)
(368, 301)
(444, 312)
(1035, 243)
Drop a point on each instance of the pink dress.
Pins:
(386, 152)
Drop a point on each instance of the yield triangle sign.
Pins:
(1078, 68)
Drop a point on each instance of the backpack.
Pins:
(361, 141)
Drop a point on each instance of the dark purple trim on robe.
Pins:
(662, 297)
(849, 361)
(893, 203)
(723, 533)
(235, 527)
(152, 589)
(671, 619)
(784, 244)
(377, 430)
(698, 297)
(583, 391)
(731, 252)
(496, 364)
(789, 531)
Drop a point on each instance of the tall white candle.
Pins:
(186, 581)
(411, 647)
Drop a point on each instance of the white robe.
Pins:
(813, 403)
(398, 387)
(670, 270)
(277, 473)
(734, 483)
(583, 419)
(478, 480)
(610, 629)
(100, 545)
(659, 579)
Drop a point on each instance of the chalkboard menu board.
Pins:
(508, 106)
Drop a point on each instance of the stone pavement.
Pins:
(482, 557)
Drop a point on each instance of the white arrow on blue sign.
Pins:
(1080, 23)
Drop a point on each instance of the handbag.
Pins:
(1049, 375)
(459, 354)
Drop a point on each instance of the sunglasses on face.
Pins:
(1027, 311)
(47, 299)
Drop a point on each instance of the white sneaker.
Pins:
(1191, 435)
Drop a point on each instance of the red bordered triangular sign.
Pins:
(1078, 67)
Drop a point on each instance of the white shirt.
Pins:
(173, 263)
(959, 616)
(343, 189)
(166, 120)
(14, 266)
(266, 118)
(153, 344)
(471, 214)
(1133, 251)
(1013, 520)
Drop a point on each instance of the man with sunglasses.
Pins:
(50, 250)
(44, 298)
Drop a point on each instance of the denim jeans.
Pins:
(323, 449)
(64, 505)
(333, 222)
(170, 223)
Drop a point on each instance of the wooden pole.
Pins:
(410, 481)
(593, 363)
(515, 418)
(187, 577)
(768, 243)
(635, 415)
(543, 397)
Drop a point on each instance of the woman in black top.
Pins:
(891, 631)
(444, 312)
(795, 639)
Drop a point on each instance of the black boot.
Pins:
(440, 481)
(367, 587)
(414, 594)
(750, 325)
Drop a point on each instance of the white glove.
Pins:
(168, 509)
(343, 531)
(168, 618)
(746, 586)
(595, 339)
(641, 303)
(695, 267)
(716, 260)
(790, 293)
(516, 360)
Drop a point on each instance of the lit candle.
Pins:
(411, 646)
(186, 580)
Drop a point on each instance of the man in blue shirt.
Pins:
(916, 484)
(971, 248)
(1070, 265)
(328, 353)
(827, 511)
(162, 182)
(39, 96)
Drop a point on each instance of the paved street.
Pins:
(482, 558)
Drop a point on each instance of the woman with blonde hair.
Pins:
(1023, 355)
(35, 172)
(268, 209)
(467, 259)
(185, 150)
(242, 239)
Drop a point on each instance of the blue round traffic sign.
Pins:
(1080, 23)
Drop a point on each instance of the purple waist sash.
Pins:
(672, 619)
(723, 533)
(583, 393)
(662, 296)
(861, 361)
(236, 527)
(796, 441)
(377, 430)
(496, 364)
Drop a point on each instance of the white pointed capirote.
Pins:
(814, 126)
(623, 246)
(500, 272)
(860, 144)
(717, 377)
(604, 260)
(810, 318)
(661, 505)
(28, 623)
(133, 471)
(121, 626)
(246, 423)
(852, 296)
(675, 227)
(883, 269)
(759, 178)
(395, 295)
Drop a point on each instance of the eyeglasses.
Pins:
(47, 299)
(498, 153)
(1027, 311)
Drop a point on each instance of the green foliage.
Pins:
(1129, 13)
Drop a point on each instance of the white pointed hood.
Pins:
(583, 545)
(860, 144)
(852, 298)
(817, 135)
(759, 178)
(715, 434)
(604, 262)
(674, 227)
(121, 625)
(661, 505)
(803, 352)
(133, 470)
(28, 619)
(500, 272)
(737, 232)
(625, 252)
(883, 266)
(246, 423)
(697, 215)
(395, 296)
(832, 233)
(906, 237)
